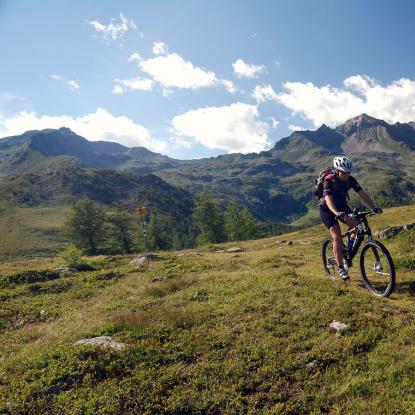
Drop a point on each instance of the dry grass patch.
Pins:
(166, 287)
(182, 317)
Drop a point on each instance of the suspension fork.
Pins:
(370, 237)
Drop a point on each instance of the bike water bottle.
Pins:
(352, 237)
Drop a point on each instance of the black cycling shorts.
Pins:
(329, 218)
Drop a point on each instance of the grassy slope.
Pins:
(225, 333)
(33, 207)
(30, 231)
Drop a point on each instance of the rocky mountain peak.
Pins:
(66, 131)
(359, 123)
(323, 128)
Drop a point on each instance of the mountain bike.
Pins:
(376, 265)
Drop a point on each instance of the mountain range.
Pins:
(277, 185)
(35, 150)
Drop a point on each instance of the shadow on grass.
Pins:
(406, 287)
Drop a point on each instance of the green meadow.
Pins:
(209, 332)
(30, 231)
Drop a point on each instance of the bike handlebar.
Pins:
(359, 215)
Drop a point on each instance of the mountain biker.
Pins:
(333, 205)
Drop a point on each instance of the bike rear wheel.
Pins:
(377, 269)
(329, 260)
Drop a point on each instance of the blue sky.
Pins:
(195, 78)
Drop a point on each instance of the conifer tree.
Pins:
(251, 227)
(240, 223)
(85, 225)
(209, 219)
(157, 233)
(233, 221)
(122, 225)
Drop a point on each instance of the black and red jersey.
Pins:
(338, 189)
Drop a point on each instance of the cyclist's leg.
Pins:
(328, 218)
(337, 244)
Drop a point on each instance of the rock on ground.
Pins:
(143, 258)
(340, 328)
(102, 341)
(236, 249)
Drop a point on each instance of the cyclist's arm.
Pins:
(366, 198)
(330, 204)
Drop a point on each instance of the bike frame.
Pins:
(361, 230)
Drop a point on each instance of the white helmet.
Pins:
(342, 163)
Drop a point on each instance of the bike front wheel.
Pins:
(377, 269)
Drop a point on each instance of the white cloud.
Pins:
(274, 122)
(167, 92)
(100, 125)
(264, 93)
(159, 48)
(138, 83)
(360, 84)
(172, 71)
(235, 128)
(143, 84)
(116, 29)
(359, 94)
(293, 127)
(118, 90)
(72, 85)
(248, 70)
(179, 142)
(135, 57)
(229, 86)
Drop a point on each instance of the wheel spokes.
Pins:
(377, 269)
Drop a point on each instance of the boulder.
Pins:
(235, 249)
(102, 341)
(340, 328)
(142, 259)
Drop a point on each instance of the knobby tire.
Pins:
(369, 281)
